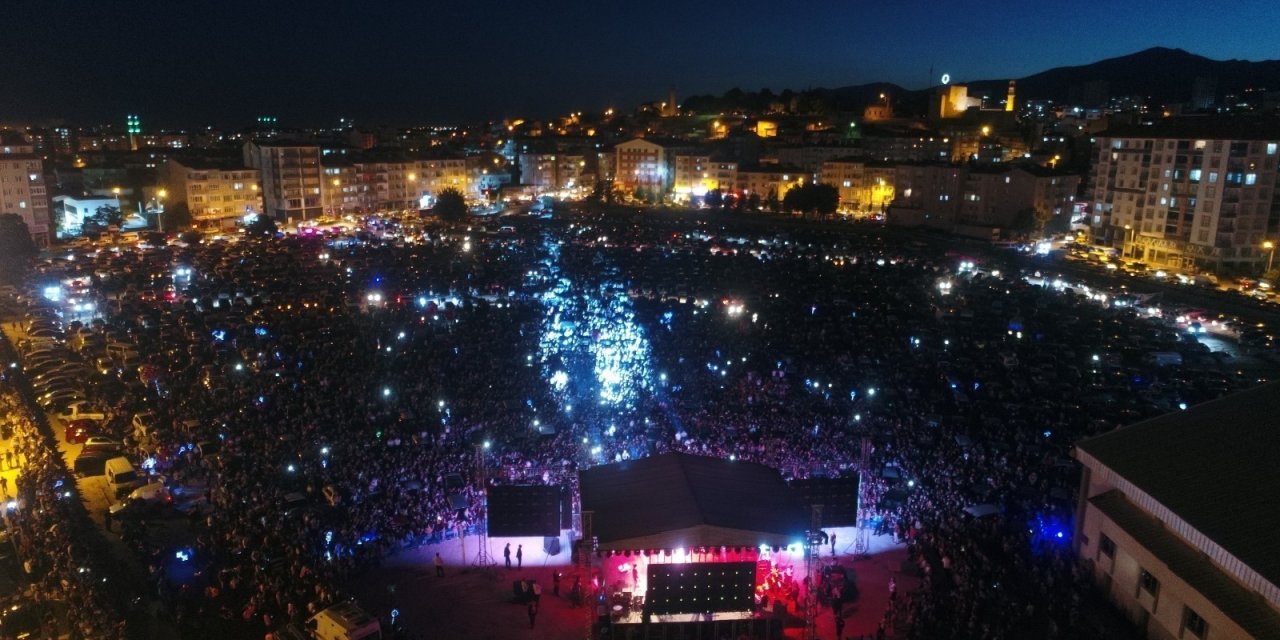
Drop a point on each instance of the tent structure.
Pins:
(677, 500)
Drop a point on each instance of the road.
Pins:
(96, 498)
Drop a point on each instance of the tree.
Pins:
(107, 216)
(820, 199)
(1058, 223)
(16, 247)
(451, 206)
(176, 217)
(262, 225)
(190, 237)
(753, 202)
(714, 199)
(599, 192)
(1024, 223)
(771, 201)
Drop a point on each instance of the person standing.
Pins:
(519, 557)
(893, 589)
(555, 583)
(833, 544)
(533, 613)
(537, 593)
(506, 555)
(439, 562)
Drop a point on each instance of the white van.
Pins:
(344, 621)
(121, 476)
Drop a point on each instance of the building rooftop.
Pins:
(1214, 466)
(212, 163)
(1202, 127)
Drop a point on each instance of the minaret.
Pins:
(1008, 103)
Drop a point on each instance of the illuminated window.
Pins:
(1271, 148)
(1250, 178)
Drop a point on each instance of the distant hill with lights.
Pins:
(1160, 75)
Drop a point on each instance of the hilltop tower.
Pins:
(1009, 101)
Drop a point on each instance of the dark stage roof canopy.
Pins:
(677, 500)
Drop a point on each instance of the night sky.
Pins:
(400, 62)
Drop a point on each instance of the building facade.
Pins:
(1188, 196)
(214, 192)
(1182, 554)
(643, 164)
(769, 182)
(696, 174)
(291, 178)
(865, 187)
(23, 190)
(552, 171)
(73, 210)
(982, 197)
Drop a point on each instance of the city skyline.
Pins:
(180, 66)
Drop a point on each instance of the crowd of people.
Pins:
(335, 398)
(65, 585)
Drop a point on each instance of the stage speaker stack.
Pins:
(837, 496)
(524, 510)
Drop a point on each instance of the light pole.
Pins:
(1128, 241)
(1271, 253)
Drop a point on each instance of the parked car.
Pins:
(81, 411)
(143, 501)
(79, 431)
(92, 463)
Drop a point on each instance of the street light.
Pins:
(1128, 241)
(1271, 253)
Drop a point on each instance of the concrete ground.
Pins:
(476, 603)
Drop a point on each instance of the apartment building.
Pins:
(696, 174)
(22, 187)
(552, 171)
(768, 181)
(977, 199)
(1177, 517)
(291, 178)
(216, 191)
(865, 187)
(1188, 194)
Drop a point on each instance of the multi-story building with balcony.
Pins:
(552, 171)
(647, 164)
(865, 187)
(1177, 517)
(216, 191)
(291, 178)
(22, 186)
(696, 174)
(1188, 194)
(981, 199)
(768, 181)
